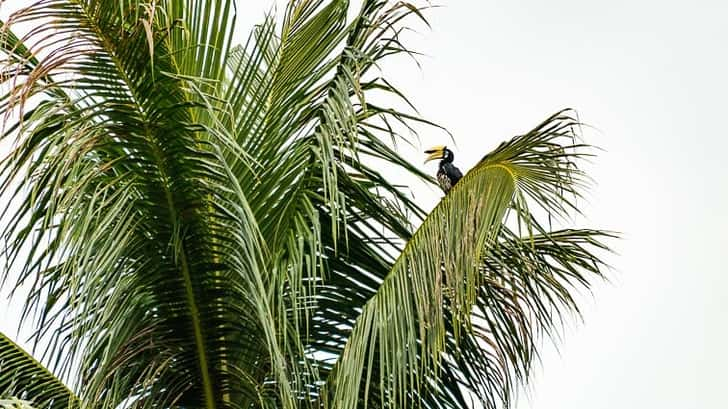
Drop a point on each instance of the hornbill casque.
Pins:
(447, 174)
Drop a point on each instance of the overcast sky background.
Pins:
(650, 76)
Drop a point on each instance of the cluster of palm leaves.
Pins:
(201, 223)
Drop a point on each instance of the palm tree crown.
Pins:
(201, 222)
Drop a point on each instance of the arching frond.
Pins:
(112, 150)
(449, 309)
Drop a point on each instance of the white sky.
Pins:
(650, 76)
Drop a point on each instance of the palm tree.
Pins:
(205, 224)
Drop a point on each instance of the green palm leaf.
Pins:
(134, 149)
(203, 224)
(22, 375)
(439, 295)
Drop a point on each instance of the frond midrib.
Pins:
(184, 265)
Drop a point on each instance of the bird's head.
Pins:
(439, 152)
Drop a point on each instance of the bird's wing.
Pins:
(458, 174)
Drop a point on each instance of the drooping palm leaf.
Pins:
(484, 316)
(123, 158)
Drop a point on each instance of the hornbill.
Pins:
(447, 174)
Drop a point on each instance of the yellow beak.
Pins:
(436, 152)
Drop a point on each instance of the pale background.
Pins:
(650, 76)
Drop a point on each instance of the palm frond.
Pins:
(15, 403)
(308, 132)
(122, 157)
(22, 376)
(529, 288)
(445, 305)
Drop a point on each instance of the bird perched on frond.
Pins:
(447, 174)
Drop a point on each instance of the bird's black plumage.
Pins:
(447, 174)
